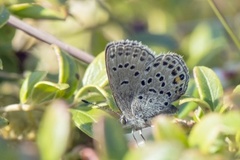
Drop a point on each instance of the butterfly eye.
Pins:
(123, 120)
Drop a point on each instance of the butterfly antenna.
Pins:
(87, 102)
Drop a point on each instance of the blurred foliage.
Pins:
(35, 124)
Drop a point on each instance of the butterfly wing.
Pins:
(125, 61)
(165, 79)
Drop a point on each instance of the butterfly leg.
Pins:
(140, 132)
(134, 136)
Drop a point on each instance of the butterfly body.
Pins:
(144, 85)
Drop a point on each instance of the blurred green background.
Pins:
(188, 27)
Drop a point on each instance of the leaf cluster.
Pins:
(72, 112)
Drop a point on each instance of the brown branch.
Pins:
(45, 37)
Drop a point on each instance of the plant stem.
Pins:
(45, 37)
(224, 23)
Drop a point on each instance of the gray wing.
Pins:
(165, 79)
(125, 61)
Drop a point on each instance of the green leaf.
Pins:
(204, 45)
(85, 117)
(164, 129)
(186, 108)
(3, 122)
(54, 131)
(32, 10)
(237, 90)
(86, 93)
(238, 141)
(198, 101)
(232, 121)
(4, 15)
(199, 43)
(67, 72)
(46, 91)
(109, 134)
(7, 34)
(206, 134)
(28, 84)
(209, 86)
(96, 72)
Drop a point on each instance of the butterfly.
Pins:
(144, 85)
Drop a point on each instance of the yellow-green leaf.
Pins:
(54, 131)
(96, 72)
(67, 72)
(33, 10)
(85, 117)
(109, 134)
(46, 91)
(28, 84)
(164, 129)
(86, 93)
(209, 86)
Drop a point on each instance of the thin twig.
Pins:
(224, 23)
(45, 37)
(16, 107)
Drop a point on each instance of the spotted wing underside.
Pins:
(164, 80)
(125, 61)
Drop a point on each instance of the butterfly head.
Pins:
(135, 123)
